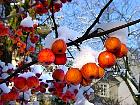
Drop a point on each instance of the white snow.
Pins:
(36, 103)
(37, 69)
(11, 66)
(2, 64)
(86, 55)
(73, 87)
(65, 89)
(27, 74)
(4, 75)
(5, 68)
(26, 96)
(63, 67)
(82, 101)
(35, 22)
(46, 76)
(47, 42)
(27, 22)
(121, 34)
(66, 34)
(4, 88)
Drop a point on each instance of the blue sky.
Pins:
(79, 14)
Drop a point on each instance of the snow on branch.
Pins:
(98, 34)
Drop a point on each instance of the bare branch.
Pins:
(97, 19)
(53, 18)
(95, 34)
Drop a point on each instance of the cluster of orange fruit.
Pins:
(54, 55)
(114, 49)
(89, 71)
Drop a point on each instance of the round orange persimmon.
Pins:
(106, 59)
(112, 44)
(46, 56)
(73, 76)
(122, 52)
(89, 71)
(59, 47)
(58, 74)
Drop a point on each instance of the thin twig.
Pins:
(97, 19)
(70, 53)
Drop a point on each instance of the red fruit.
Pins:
(20, 83)
(46, 56)
(19, 32)
(40, 9)
(42, 90)
(45, 3)
(24, 89)
(59, 86)
(113, 44)
(59, 47)
(31, 49)
(13, 95)
(106, 59)
(1, 102)
(39, 6)
(4, 97)
(73, 76)
(34, 39)
(32, 82)
(122, 52)
(90, 71)
(58, 74)
(60, 59)
(19, 44)
(57, 5)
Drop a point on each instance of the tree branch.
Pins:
(53, 18)
(18, 71)
(97, 19)
(96, 34)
